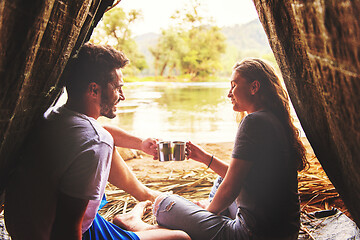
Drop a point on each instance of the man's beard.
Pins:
(107, 107)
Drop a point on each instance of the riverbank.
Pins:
(181, 78)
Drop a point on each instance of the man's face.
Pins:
(111, 95)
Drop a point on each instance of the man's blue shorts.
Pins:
(104, 230)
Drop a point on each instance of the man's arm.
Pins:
(69, 215)
(126, 140)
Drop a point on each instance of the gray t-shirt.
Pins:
(68, 152)
(269, 196)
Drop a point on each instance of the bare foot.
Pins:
(132, 221)
(202, 203)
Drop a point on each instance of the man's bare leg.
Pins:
(132, 221)
(162, 234)
(122, 177)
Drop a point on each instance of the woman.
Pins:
(262, 175)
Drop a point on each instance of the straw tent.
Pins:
(316, 44)
(37, 39)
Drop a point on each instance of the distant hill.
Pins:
(243, 37)
(144, 42)
(249, 36)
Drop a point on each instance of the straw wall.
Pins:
(316, 44)
(37, 38)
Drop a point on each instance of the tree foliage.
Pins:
(190, 47)
(114, 30)
(168, 52)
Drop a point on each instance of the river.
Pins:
(192, 111)
(199, 112)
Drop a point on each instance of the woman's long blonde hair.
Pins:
(275, 99)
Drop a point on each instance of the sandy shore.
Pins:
(146, 166)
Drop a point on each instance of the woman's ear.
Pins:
(255, 86)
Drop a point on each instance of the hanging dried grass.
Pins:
(316, 190)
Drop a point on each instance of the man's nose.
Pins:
(121, 96)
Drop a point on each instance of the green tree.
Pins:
(168, 52)
(192, 45)
(114, 30)
(206, 45)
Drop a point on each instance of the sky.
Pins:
(156, 13)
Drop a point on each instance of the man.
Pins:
(56, 191)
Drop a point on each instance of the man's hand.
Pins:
(149, 146)
(153, 194)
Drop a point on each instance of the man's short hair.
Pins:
(93, 63)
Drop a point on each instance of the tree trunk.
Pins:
(163, 69)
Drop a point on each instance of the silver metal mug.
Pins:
(179, 151)
(165, 151)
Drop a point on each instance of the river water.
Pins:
(199, 112)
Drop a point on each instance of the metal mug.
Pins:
(165, 151)
(179, 151)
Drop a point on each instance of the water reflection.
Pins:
(199, 112)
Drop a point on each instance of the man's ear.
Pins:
(94, 89)
(255, 86)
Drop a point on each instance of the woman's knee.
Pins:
(157, 202)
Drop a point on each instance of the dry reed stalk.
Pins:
(308, 232)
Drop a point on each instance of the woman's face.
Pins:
(240, 93)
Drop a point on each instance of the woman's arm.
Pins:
(198, 154)
(230, 188)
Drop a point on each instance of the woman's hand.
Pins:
(196, 152)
